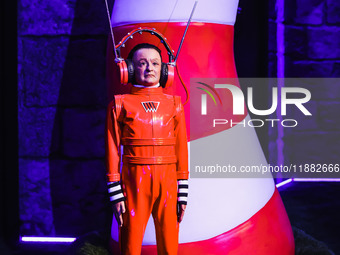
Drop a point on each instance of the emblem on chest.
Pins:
(150, 106)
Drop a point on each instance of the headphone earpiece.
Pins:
(164, 75)
(126, 71)
(130, 71)
(123, 72)
(170, 76)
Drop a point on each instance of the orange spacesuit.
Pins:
(151, 127)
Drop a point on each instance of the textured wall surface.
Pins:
(62, 105)
(312, 40)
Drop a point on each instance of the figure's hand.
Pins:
(118, 210)
(180, 212)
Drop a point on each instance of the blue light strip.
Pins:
(280, 72)
(307, 180)
(316, 180)
(47, 239)
(283, 183)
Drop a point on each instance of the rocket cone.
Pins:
(224, 215)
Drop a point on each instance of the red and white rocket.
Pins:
(234, 216)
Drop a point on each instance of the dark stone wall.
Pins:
(312, 49)
(62, 103)
(62, 100)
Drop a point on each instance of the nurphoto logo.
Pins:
(280, 98)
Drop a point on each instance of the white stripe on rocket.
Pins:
(228, 201)
(142, 11)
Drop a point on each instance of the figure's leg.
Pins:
(137, 186)
(165, 210)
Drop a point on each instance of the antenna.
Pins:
(185, 32)
(113, 39)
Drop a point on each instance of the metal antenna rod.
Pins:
(113, 39)
(185, 32)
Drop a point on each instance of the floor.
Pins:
(313, 209)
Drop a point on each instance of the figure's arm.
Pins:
(182, 160)
(112, 157)
(181, 143)
(112, 144)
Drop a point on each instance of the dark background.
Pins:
(9, 203)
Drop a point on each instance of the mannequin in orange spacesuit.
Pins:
(154, 178)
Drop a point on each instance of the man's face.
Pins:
(147, 64)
